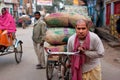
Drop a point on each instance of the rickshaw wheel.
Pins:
(68, 74)
(18, 52)
(49, 70)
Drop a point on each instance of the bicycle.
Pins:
(16, 48)
(58, 63)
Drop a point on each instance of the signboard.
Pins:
(15, 1)
(44, 2)
(8, 1)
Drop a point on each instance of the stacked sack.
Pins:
(58, 38)
(57, 20)
(60, 28)
(61, 19)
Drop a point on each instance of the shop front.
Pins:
(117, 7)
(108, 13)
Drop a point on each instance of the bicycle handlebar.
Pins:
(66, 53)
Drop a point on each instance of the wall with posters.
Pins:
(112, 12)
(112, 7)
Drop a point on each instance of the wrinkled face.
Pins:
(37, 16)
(81, 30)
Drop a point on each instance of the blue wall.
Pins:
(91, 9)
(21, 2)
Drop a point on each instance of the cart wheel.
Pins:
(18, 52)
(49, 70)
(68, 74)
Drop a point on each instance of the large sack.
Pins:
(57, 19)
(24, 17)
(76, 13)
(73, 18)
(57, 36)
(60, 48)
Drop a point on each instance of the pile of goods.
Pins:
(61, 26)
(58, 36)
(61, 19)
(24, 17)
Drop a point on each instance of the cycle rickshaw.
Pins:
(57, 63)
(16, 48)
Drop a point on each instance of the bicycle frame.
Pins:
(16, 42)
(62, 61)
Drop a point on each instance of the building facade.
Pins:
(112, 7)
(112, 14)
(27, 7)
(11, 5)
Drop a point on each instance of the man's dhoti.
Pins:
(94, 74)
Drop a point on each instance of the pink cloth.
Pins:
(7, 22)
(78, 60)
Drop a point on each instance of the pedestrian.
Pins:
(86, 65)
(7, 29)
(39, 30)
(118, 26)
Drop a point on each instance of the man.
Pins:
(39, 31)
(86, 64)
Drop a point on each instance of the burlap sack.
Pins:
(24, 17)
(60, 48)
(57, 19)
(73, 18)
(58, 36)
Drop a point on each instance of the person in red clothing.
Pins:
(86, 65)
(7, 29)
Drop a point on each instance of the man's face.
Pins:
(37, 16)
(81, 30)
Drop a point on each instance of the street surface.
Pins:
(26, 70)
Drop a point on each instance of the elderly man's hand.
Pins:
(81, 49)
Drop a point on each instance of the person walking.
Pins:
(86, 65)
(39, 30)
